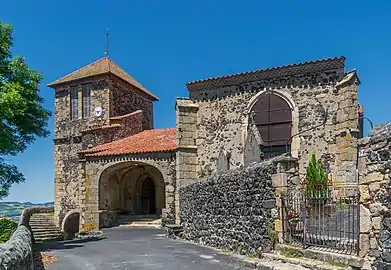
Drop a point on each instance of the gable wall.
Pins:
(223, 113)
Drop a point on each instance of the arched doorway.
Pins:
(148, 205)
(71, 225)
(273, 118)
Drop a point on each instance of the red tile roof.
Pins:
(147, 141)
(268, 73)
(102, 66)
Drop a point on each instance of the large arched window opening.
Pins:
(273, 118)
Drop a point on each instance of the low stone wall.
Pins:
(374, 181)
(234, 210)
(17, 252)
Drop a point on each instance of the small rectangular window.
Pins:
(86, 100)
(74, 103)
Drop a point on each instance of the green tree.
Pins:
(22, 116)
(316, 178)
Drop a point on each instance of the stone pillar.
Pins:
(186, 155)
(89, 199)
(285, 181)
(346, 132)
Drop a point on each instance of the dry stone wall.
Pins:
(375, 188)
(17, 252)
(234, 210)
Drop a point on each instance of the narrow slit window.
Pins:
(86, 100)
(74, 103)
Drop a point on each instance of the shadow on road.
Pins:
(69, 244)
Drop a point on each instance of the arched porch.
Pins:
(130, 188)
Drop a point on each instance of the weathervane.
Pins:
(107, 42)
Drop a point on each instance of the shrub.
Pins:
(7, 228)
(316, 179)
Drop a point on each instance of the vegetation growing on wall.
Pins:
(206, 171)
(7, 228)
(316, 179)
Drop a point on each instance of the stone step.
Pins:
(46, 229)
(40, 219)
(47, 234)
(41, 223)
(130, 218)
(141, 225)
(313, 253)
(305, 262)
(48, 239)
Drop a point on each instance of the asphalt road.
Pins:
(136, 249)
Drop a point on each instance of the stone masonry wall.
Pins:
(120, 127)
(223, 118)
(234, 210)
(95, 168)
(116, 98)
(17, 252)
(125, 99)
(375, 188)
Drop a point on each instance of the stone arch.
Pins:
(129, 176)
(295, 143)
(71, 224)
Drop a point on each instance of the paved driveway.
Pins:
(129, 248)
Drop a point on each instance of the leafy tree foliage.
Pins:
(7, 228)
(22, 116)
(316, 179)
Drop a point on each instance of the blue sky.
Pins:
(164, 44)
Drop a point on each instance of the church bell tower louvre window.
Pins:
(273, 118)
(86, 100)
(74, 103)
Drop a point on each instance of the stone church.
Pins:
(111, 163)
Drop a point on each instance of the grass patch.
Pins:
(292, 254)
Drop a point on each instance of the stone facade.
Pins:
(374, 180)
(311, 89)
(126, 111)
(98, 177)
(215, 131)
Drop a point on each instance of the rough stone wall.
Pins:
(120, 103)
(375, 188)
(97, 168)
(17, 253)
(223, 115)
(119, 128)
(68, 140)
(125, 98)
(233, 210)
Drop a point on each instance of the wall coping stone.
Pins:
(17, 252)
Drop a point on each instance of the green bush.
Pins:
(7, 228)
